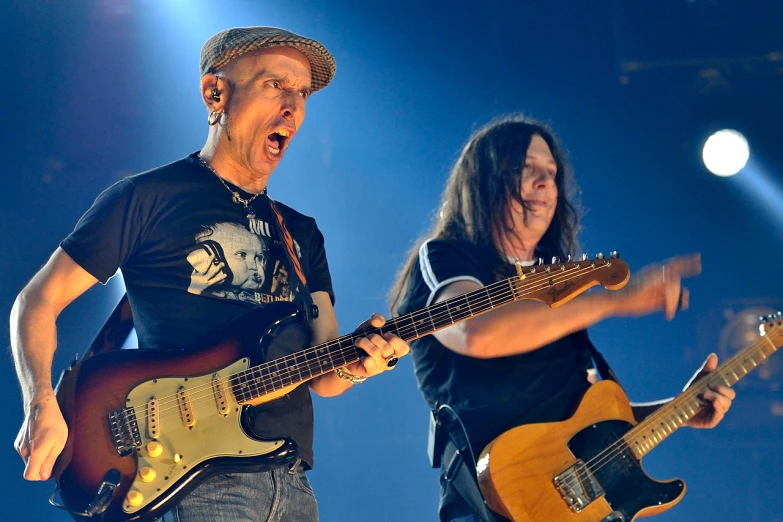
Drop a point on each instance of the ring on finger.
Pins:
(391, 361)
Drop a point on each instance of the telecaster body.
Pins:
(588, 468)
(517, 471)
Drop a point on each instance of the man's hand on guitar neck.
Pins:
(379, 348)
(717, 400)
(42, 436)
(718, 397)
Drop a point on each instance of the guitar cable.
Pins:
(455, 415)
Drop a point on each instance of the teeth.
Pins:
(283, 132)
(274, 151)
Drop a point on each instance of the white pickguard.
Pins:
(212, 435)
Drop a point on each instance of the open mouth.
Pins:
(278, 141)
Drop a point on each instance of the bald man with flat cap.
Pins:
(200, 243)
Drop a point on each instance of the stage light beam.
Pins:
(726, 152)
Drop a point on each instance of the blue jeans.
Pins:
(281, 495)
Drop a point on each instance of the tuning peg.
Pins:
(584, 257)
(568, 258)
(540, 260)
(555, 260)
(614, 255)
(599, 255)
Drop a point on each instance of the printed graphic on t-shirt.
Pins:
(233, 262)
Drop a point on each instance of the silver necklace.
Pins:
(236, 198)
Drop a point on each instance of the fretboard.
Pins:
(320, 359)
(659, 425)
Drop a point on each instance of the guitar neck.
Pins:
(666, 420)
(553, 284)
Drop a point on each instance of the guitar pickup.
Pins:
(219, 392)
(185, 407)
(578, 486)
(153, 418)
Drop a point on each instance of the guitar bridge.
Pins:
(578, 486)
(125, 430)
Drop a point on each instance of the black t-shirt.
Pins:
(490, 395)
(192, 261)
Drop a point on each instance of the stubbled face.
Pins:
(266, 105)
(539, 192)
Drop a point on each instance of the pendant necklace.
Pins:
(236, 198)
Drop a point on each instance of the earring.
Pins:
(213, 118)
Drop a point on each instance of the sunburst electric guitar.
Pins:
(588, 468)
(146, 426)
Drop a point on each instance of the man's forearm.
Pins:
(33, 342)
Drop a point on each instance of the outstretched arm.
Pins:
(525, 326)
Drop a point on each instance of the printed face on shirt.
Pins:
(230, 256)
(245, 255)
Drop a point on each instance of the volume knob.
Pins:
(155, 449)
(147, 474)
(135, 498)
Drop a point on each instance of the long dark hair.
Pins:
(475, 204)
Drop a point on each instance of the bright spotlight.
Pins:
(726, 152)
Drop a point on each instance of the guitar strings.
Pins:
(532, 283)
(619, 447)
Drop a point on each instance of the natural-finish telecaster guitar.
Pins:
(145, 427)
(588, 468)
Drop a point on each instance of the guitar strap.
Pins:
(297, 274)
(110, 337)
(458, 468)
(114, 331)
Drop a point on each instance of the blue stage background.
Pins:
(95, 90)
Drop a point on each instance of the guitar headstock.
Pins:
(561, 282)
(772, 327)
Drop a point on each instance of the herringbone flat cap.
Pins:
(232, 43)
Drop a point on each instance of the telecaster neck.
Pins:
(659, 425)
